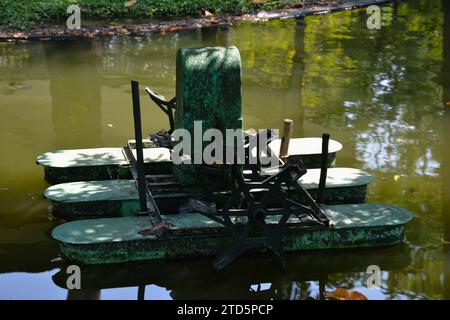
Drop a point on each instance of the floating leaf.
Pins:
(396, 178)
(174, 28)
(206, 13)
(344, 294)
(129, 3)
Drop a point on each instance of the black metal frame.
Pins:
(167, 107)
(323, 168)
(256, 211)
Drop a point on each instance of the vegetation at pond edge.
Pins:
(24, 13)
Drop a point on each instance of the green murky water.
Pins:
(383, 93)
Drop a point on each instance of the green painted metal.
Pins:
(81, 158)
(115, 198)
(106, 163)
(99, 164)
(117, 240)
(208, 89)
(88, 191)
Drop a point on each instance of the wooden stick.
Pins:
(287, 133)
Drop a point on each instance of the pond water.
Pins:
(384, 94)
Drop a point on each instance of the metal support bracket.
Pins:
(167, 107)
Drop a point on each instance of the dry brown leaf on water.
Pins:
(130, 3)
(345, 294)
(206, 13)
(19, 35)
(174, 29)
(447, 103)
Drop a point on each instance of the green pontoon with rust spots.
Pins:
(110, 163)
(120, 198)
(117, 240)
(223, 208)
(99, 164)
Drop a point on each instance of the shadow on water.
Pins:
(445, 165)
(196, 279)
(75, 83)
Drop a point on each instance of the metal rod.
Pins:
(141, 292)
(286, 138)
(322, 289)
(323, 168)
(171, 121)
(139, 151)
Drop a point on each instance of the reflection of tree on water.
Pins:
(21, 60)
(445, 159)
(150, 60)
(20, 63)
(414, 129)
(293, 104)
(381, 85)
(403, 106)
(272, 58)
(75, 87)
(377, 83)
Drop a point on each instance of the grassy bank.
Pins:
(24, 13)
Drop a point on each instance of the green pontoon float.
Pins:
(120, 198)
(99, 164)
(109, 163)
(235, 210)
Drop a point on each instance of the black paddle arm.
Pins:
(167, 107)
